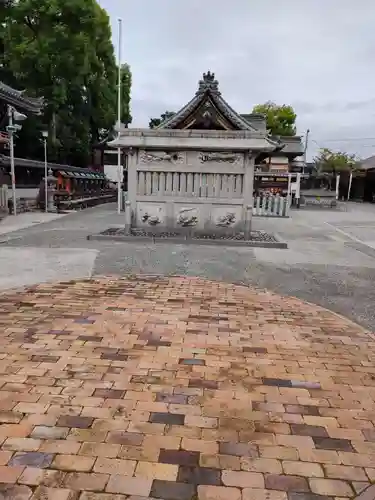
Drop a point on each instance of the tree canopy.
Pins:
(281, 120)
(328, 161)
(155, 122)
(62, 50)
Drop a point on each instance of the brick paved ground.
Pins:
(181, 388)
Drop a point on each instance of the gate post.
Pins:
(248, 195)
(248, 217)
(277, 205)
(257, 206)
(337, 186)
(298, 190)
(132, 180)
(4, 197)
(128, 217)
(289, 193)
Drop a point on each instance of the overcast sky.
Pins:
(317, 55)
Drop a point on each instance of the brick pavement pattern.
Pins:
(180, 388)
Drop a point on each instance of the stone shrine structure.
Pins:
(196, 170)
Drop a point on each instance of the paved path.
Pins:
(26, 220)
(181, 388)
(330, 260)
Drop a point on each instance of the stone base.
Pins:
(257, 238)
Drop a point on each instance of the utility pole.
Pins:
(11, 129)
(305, 149)
(45, 137)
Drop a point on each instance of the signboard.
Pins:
(271, 183)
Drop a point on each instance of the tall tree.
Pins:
(62, 49)
(281, 120)
(333, 164)
(126, 83)
(155, 122)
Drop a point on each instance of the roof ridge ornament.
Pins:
(208, 82)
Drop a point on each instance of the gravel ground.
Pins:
(330, 260)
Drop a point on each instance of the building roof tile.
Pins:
(20, 100)
(208, 88)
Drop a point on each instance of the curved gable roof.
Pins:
(208, 91)
(18, 99)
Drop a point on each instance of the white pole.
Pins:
(45, 176)
(350, 184)
(119, 162)
(337, 186)
(289, 194)
(305, 150)
(12, 169)
(298, 190)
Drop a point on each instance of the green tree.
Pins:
(126, 83)
(281, 120)
(155, 122)
(62, 49)
(330, 162)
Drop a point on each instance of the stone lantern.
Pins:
(51, 190)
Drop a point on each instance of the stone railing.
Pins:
(271, 206)
(4, 195)
(23, 205)
(183, 184)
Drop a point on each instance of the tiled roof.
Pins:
(21, 101)
(291, 145)
(208, 87)
(367, 163)
(25, 162)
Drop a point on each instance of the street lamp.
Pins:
(12, 127)
(45, 137)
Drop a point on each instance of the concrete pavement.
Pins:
(25, 220)
(330, 260)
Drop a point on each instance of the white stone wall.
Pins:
(208, 188)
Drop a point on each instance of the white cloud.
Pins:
(314, 54)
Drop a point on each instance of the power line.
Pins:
(322, 143)
(348, 140)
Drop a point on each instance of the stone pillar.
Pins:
(248, 189)
(248, 219)
(128, 217)
(132, 181)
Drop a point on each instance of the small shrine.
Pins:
(196, 169)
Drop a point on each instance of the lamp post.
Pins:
(305, 150)
(12, 127)
(45, 137)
